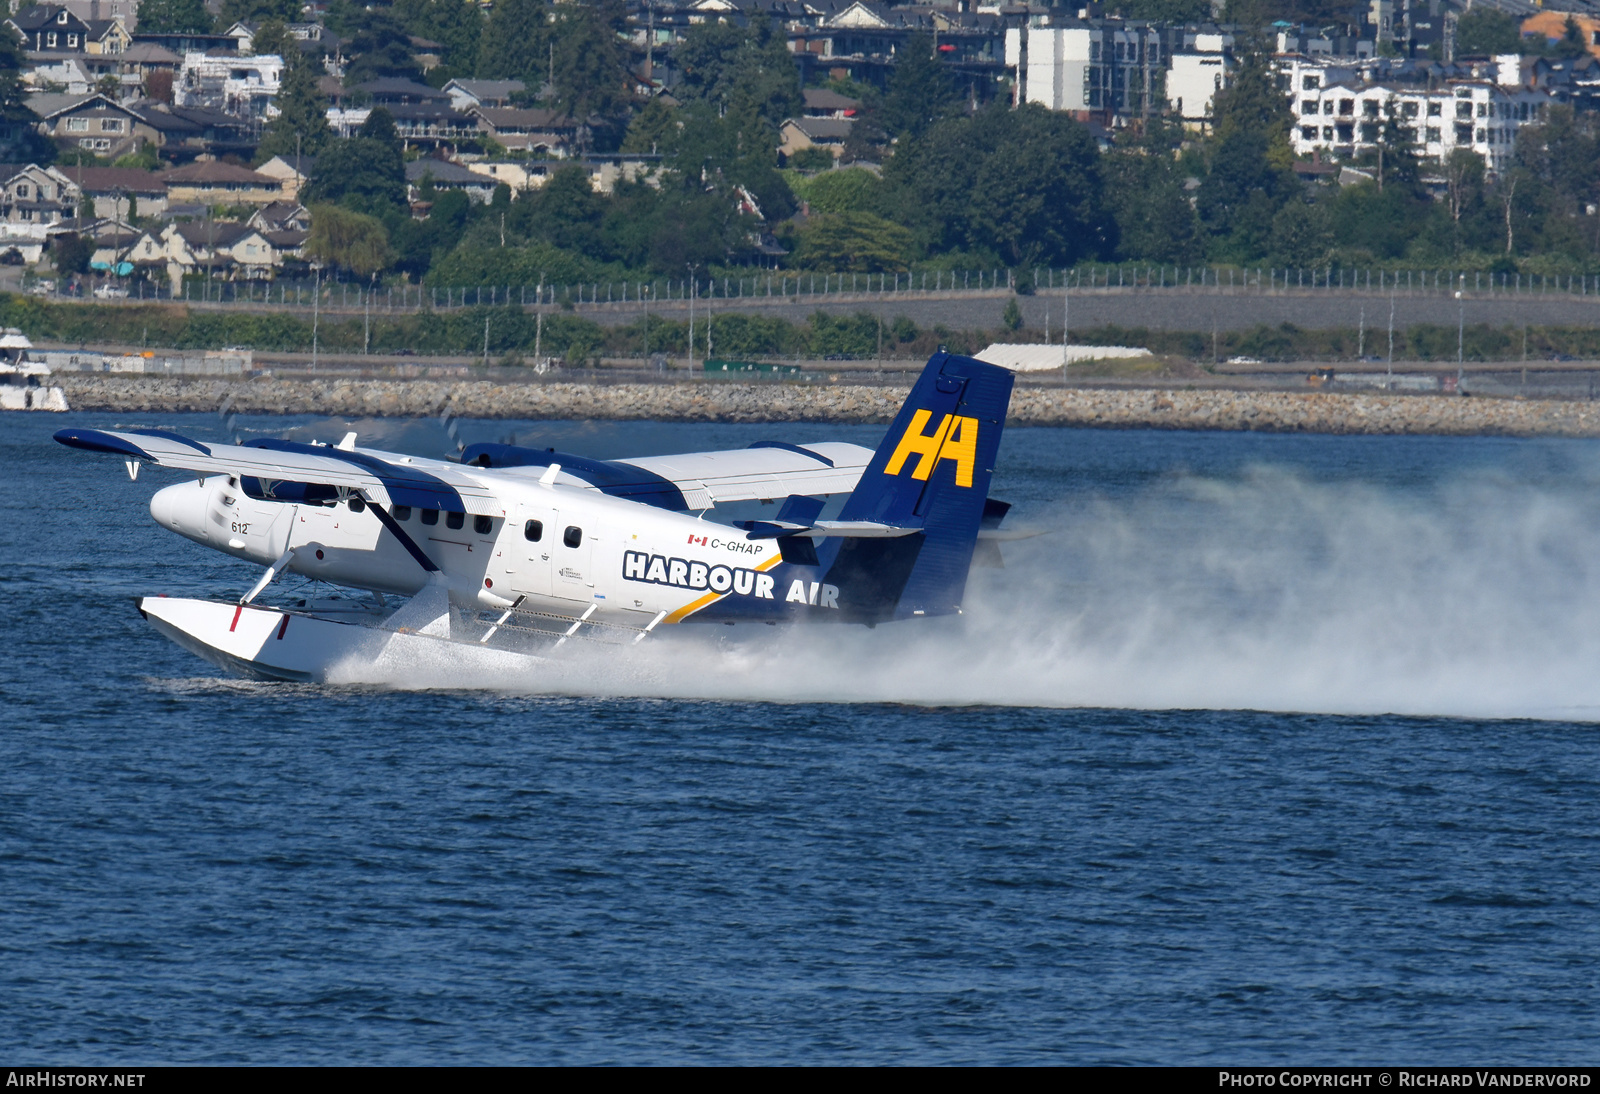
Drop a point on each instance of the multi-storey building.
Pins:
(1344, 117)
(1107, 67)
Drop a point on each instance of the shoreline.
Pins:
(1111, 408)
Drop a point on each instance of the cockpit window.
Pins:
(454, 520)
(401, 512)
(482, 525)
(573, 537)
(533, 531)
(430, 516)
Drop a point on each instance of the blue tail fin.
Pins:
(932, 471)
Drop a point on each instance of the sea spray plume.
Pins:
(1480, 597)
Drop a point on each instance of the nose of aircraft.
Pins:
(181, 508)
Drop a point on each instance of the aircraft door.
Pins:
(573, 554)
(531, 545)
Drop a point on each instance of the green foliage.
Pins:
(851, 190)
(348, 240)
(174, 17)
(71, 253)
(1241, 195)
(652, 128)
(853, 242)
(1024, 183)
(591, 65)
(456, 25)
(921, 92)
(1144, 189)
(1011, 318)
(812, 159)
(359, 173)
(743, 70)
(1483, 31)
(520, 266)
(273, 37)
(256, 11)
(380, 49)
(302, 121)
(515, 42)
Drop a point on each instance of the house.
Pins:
(1551, 26)
(236, 251)
(64, 75)
(121, 191)
(240, 86)
(113, 239)
(33, 201)
(281, 216)
(541, 132)
(95, 123)
(822, 103)
(48, 28)
(445, 175)
(189, 131)
(181, 42)
(284, 224)
(107, 37)
(796, 134)
(213, 183)
(292, 173)
(125, 12)
(466, 94)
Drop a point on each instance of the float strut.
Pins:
(269, 577)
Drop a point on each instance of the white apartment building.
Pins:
(1118, 69)
(241, 86)
(1197, 74)
(1480, 115)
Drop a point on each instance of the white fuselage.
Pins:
(562, 547)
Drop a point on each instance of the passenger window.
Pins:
(430, 516)
(454, 520)
(533, 531)
(573, 537)
(401, 512)
(358, 505)
(482, 525)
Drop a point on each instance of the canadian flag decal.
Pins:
(701, 540)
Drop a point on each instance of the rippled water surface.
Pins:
(1275, 749)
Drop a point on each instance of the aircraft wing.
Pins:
(389, 480)
(767, 470)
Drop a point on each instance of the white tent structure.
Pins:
(1036, 358)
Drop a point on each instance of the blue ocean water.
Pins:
(1274, 749)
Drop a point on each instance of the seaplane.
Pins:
(519, 551)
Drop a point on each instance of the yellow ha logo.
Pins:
(956, 438)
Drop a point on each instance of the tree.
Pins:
(301, 124)
(565, 212)
(1571, 46)
(1484, 31)
(653, 128)
(1021, 184)
(20, 139)
(359, 173)
(174, 17)
(254, 11)
(740, 69)
(71, 253)
(1241, 195)
(454, 24)
(515, 43)
(348, 240)
(1144, 189)
(273, 38)
(1011, 318)
(921, 93)
(591, 65)
(854, 243)
(1253, 105)
(381, 49)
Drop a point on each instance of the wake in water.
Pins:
(1477, 598)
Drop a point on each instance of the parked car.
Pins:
(111, 292)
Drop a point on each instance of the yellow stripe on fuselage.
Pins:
(711, 598)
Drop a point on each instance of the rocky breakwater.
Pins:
(690, 401)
